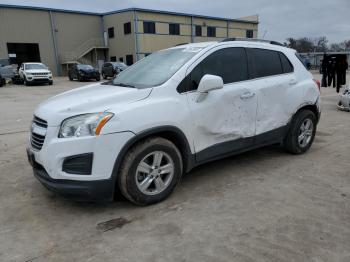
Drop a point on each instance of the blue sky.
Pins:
(279, 19)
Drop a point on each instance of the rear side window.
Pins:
(228, 63)
(286, 64)
(265, 62)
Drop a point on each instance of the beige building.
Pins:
(59, 38)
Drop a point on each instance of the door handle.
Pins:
(293, 82)
(247, 95)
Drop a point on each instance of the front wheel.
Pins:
(301, 133)
(150, 171)
(25, 82)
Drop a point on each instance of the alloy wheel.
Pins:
(305, 132)
(154, 173)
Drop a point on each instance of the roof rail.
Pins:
(182, 44)
(252, 40)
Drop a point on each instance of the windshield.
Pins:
(34, 66)
(85, 67)
(4, 62)
(120, 65)
(154, 69)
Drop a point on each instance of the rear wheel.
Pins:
(301, 133)
(150, 171)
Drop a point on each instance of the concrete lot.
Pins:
(264, 205)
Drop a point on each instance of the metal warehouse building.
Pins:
(59, 38)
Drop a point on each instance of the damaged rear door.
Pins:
(224, 121)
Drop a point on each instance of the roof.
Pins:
(125, 10)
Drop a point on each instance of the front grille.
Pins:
(40, 122)
(39, 74)
(37, 140)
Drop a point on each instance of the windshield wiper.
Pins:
(123, 85)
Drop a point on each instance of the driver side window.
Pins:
(229, 63)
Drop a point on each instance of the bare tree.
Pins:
(317, 44)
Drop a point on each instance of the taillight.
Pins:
(318, 83)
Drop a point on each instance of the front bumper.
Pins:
(48, 163)
(39, 80)
(100, 190)
(89, 76)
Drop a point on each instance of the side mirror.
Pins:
(208, 83)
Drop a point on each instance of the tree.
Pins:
(321, 44)
(317, 44)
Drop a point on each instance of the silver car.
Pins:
(344, 102)
(6, 70)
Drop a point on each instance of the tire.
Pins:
(25, 82)
(2, 80)
(70, 77)
(51, 83)
(98, 79)
(300, 121)
(104, 76)
(79, 78)
(130, 178)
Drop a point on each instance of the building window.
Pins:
(211, 31)
(121, 59)
(149, 27)
(249, 34)
(198, 30)
(113, 59)
(174, 29)
(129, 60)
(111, 32)
(127, 28)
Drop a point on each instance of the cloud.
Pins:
(279, 19)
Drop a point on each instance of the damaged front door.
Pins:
(224, 120)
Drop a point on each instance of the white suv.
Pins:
(31, 73)
(173, 110)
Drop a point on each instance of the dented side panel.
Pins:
(222, 115)
(277, 101)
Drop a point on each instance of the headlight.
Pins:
(84, 125)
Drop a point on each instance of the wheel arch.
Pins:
(171, 133)
(313, 108)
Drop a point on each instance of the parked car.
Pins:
(173, 110)
(35, 73)
(2, 81)
(111, 69)
(83, 72)
(344, 101)
(7, 71)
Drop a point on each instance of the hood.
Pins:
(89, 99)
(30, 71)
